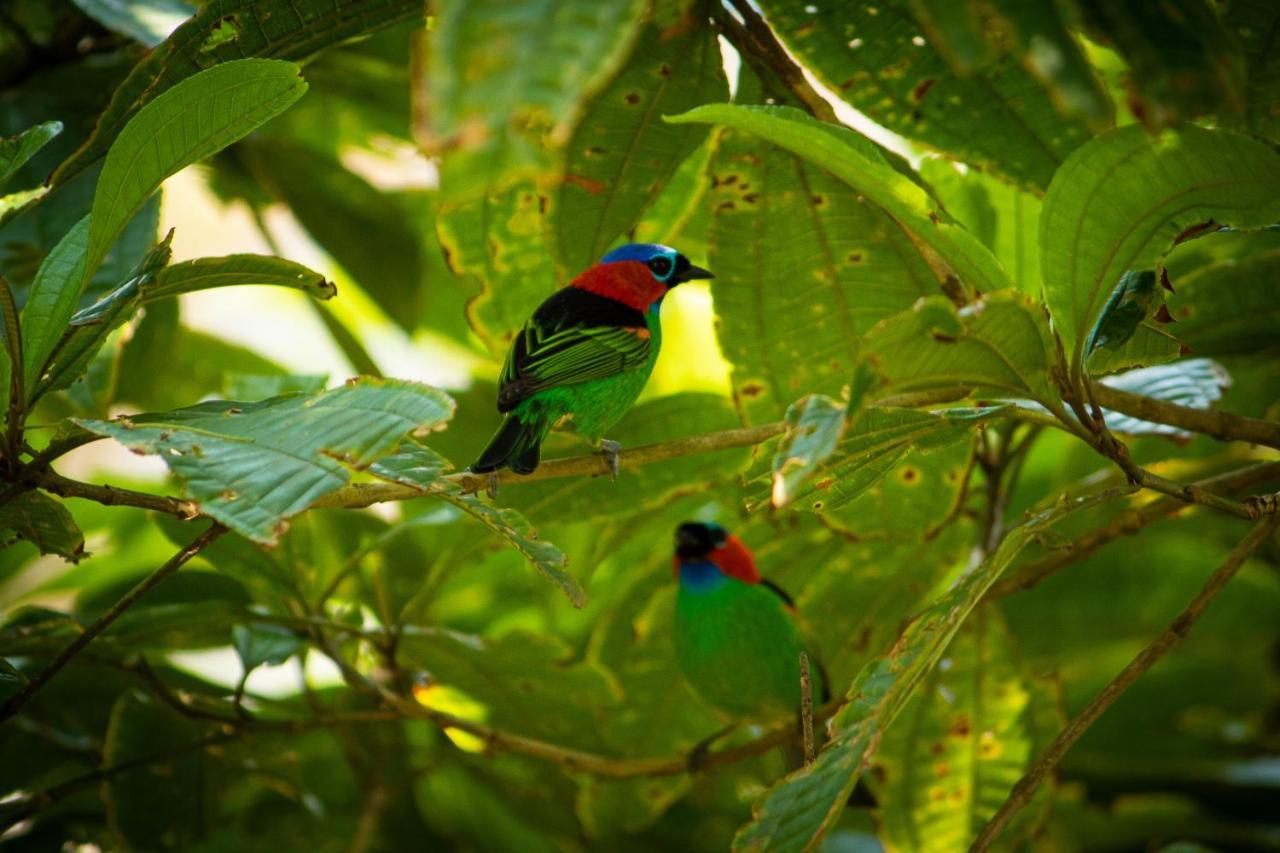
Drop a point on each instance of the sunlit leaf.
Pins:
(15, 151)
(232, 270)
(814, 426)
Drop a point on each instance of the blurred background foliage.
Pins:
(448, 169)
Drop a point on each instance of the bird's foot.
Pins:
(609, 450)
(491, 486)
(697, 758)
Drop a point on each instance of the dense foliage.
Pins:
(1001, 413)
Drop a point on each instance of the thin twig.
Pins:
(17, 392)
(1128, 523)
(1211, 422)
(62, 486)
(806, 708)
(15, 702)
(1172, 635)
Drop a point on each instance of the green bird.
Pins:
(736, 635)
(584, 356)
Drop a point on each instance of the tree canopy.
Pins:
(987, 379)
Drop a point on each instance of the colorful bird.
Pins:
(736, 635)
(584, 356)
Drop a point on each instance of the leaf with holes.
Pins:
(253, 465)
(814, 427)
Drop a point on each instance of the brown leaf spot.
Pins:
(1164, 280)
(1195, 231)
(918, 93)
(961, 727)
(632, 97)
(592, 186)
(943, 339)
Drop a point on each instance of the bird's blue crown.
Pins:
(642, 252)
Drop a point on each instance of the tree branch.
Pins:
(1223, 426)
(17, 700)
(1128, 523)
(1174, 634)
(62, 486)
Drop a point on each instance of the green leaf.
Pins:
(258, 644)
(803, 268)
(198, 117)
(879, 59)
(1126, 308)
(814, 427)
(232, 270)
(802, 808)
(15, 151)
(52, 300)
(1196, 383)
(961, 745)
(157, 805)
(253, 465)
(1123, 199)
(147, 21)
(1230, 307)
(44, 522)
(854, 160)
(502, 76)
(999, 343)
(258, 386)
(229, 30)
(622, 154)
(421, 467)
(873, 446)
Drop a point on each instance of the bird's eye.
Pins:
(661, 266)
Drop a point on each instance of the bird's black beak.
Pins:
(690, 274)
(687, 541)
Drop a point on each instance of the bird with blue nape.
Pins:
(582, 359)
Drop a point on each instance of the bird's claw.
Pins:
(491, 487)
(696, 760)
(610, 449)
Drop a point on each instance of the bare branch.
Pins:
(1223, 426)
(17, 700)
(1174, 634)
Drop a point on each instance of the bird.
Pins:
(583, 357)
(736, 636)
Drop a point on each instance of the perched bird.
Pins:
(584, 356)
(736, 635)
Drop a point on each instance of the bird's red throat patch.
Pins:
(735, 560)
(628, 282)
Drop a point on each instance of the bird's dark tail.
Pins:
(515, 445)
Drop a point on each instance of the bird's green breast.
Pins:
(740, 649)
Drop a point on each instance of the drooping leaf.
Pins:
(858, 162)
(44, 522)
(874, 445)
(1001, 343)
(814, 427)
(15, 151)
(198, 117)
(1230, 307)
(803, 268)
(622, 153)
(52, 299)
(228, 30)
(419, 466)
(259, 644)
(1127, 306)
(232, 270)
(1107, 211)
(800, 810)
(147, 21)
(253, 465)
(500, 77)
(878, 58)
(961, 745)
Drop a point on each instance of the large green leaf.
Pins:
(1123, 199)
(798, 811)
(856, 161)
(227, 30)
(44, 522)
(253, 465)
(52, 299)
(1230, 307)
(198, 117)
(876, 57)
(1001, 343)
(501, 76)
(803, 268)
(622, 153)
(17, 150)
(961, 745)
(420, 467)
